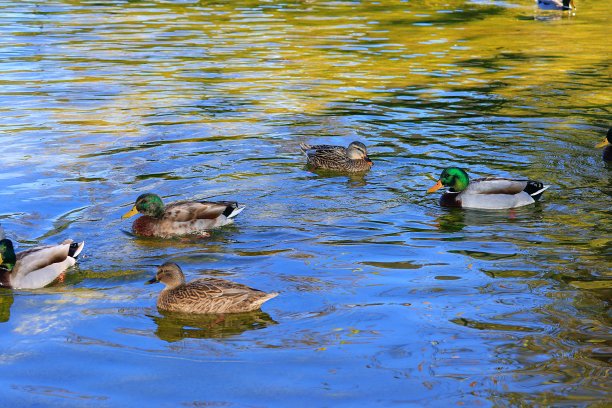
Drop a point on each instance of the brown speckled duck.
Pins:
(351, 159)
(205, 295)
(180, 218)
(36, 267)
(607, 146)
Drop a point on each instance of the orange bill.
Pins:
(436, 187)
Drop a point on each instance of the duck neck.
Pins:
(5, 277)
(174, 283)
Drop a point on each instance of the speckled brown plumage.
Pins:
(205, 295)
(351, 159)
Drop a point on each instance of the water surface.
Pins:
(386, 299)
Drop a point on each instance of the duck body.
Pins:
(36, 267)
(180, 218)
(205, 295)
(561, 5)
(351, 159)
(491, 193)
(606, 144)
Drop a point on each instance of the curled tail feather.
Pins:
(235, 211)
(535, 189)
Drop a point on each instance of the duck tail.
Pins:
(305, 147)
(535, 189)
(233, 210)
(75, 249)
(265, 298)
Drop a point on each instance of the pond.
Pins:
(385, 298)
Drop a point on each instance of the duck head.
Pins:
(453, 177)
(7, 254)
(147, 204)
(170, 274)
(358, 151)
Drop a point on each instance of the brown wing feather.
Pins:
(211, 295)
(182, 211)
(326, 156)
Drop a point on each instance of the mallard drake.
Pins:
(606, 144)
(556, 4)
(353, 158)
(35, 267)
(181, 217)
(205, 295)
(490, 193)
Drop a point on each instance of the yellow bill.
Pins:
(436, 187)
(130, 213)
(602, 143)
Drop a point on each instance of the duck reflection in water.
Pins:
(456, 219)
(175, 326)
(6, 301)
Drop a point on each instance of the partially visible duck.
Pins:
(180, 218)
(35, 267)
(556, 4)
(205, 295)
(352, 159)
(606, 144)
(491, 193)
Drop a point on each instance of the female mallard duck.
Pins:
(607, 152)
(556, 4)
(35, 267)
(205, 295)
(353, 158)
(489, 193)
(181, 217)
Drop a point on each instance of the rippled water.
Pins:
(386, 299)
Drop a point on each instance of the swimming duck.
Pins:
(556, 4)
(205, 295)
(607, 151)
(353, 158)
(490, 193)
(35, 267)
(181, 217)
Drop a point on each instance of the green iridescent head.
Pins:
(7, 254)
(147, 204)
(453, 177)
